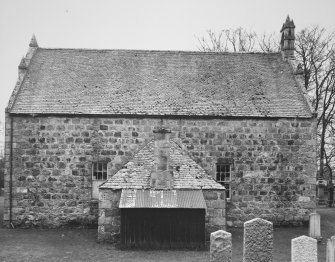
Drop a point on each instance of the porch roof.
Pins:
(133, 198)
(187, 173)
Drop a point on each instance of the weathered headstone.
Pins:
(221, 246)
(304, 249)
(258, 241)
(330, 257)
(314, 226)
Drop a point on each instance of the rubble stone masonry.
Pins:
(110, 214)
(109, 224)
(273, 170)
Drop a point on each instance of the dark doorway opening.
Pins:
(165, 228)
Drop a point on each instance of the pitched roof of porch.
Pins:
(187, 174)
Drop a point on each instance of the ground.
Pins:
(81, 245)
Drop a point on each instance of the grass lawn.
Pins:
(81, 245)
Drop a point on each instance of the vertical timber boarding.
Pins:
(164, 228)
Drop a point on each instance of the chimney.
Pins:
(161, 176)
(287, 39)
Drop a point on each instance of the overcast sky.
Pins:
(138, 24)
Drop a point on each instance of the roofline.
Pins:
(159, 51)
(73, 115)
(33, 47)
(298, 80)
(200, 188)
(16, 90)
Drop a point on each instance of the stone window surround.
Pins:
(97, 182)
(225, 183)
(225, 161)
(103, 172)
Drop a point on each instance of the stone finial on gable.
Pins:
(23, 64)
(33, 46)
(33, 41)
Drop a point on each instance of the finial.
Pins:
(33, 42)
(288, 23)
(287, 19)
(23, 64)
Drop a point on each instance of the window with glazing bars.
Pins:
(223, 176)
(99, 171)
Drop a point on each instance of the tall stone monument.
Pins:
(258, 241)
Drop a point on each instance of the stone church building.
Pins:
(159, 146)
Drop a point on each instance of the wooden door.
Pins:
(165, 228)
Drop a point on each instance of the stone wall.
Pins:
(109, 215)
(216, 211)
(274, 163)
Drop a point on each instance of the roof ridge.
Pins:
(159, 51)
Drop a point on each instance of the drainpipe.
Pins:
(11, 173)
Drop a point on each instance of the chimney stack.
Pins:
(161, 176)
(287, 39)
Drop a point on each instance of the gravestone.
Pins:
(330, 257)
(258, 241)
(314, 226)
(221, 246)
(304, 249)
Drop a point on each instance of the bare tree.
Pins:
(315, 51)
(268, 42)
(213, 42)
(228, 40)
(238, 40)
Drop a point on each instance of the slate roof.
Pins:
(135, 82)
(136, 174)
